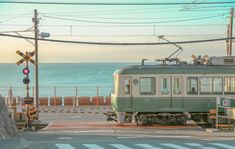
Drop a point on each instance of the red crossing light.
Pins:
(26, 71)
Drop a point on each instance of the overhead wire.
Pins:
(112, 22)
(124, 35)
(108, 11)
(119, 43)
(205, 6)
(114, 12)
(129, 9)
(135, 18)
(123, 12)
(115, 3)
(131, 25)
(17, 17)
(138, 35)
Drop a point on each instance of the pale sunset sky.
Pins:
(121, 23)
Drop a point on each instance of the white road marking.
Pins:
(174, 146)
(127, 137)
(152, 136)
(65, 138)
(208, 148)
(75, 117)
(194, 144)
(147, 146)
(199, 145)
(64, 146)
(223, 145)
(93, 146)
(87, 131)
(120, 146)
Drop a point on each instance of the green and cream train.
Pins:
(169, 94)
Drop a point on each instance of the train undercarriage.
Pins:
(161, 118)
(147, 118)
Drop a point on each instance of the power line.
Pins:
(113, 4)
(97, 35)
(17, 17)
(107, 11)
(128, 10)
(23, 31)
(137, 18)
(127, 35)
(114, 12)
(119, 43)
(132, 25)
(203, 7)
(153, 22)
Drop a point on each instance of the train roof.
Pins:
(175, 69)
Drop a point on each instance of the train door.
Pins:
(165, 91)
(176, 92)
(171, 91)
(127, 93)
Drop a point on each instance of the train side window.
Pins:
(192, 85)
(147, 86)
(177, 86)
(165, 84)
(127, 87)
(205, 85)
(229, 85)
(217, 86)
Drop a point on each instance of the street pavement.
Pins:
(80, 141)
(91, 131)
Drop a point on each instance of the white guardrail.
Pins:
(52, 91)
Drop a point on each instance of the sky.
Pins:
(132, 24)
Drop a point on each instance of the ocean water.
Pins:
(64, 79)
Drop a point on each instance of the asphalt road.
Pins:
(91, 131)
(81, 141)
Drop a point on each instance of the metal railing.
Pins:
(53, 91)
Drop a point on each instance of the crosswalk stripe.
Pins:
(120, 146)
(147, 146)
(194, 144)
(174, 146)
(199, 145)
(223, 145)
(64, 146)
(93, 146)
(208, 148)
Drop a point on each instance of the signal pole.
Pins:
(36, 90)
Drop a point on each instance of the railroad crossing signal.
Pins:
(26, 72)
(26, 57)
(26, 80)
(28, 101)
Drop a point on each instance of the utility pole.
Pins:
(227, 41)
(230, 34)
(36, 21)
